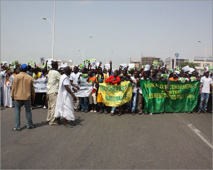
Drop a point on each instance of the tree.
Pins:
(192, 65)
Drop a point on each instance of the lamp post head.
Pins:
(176, 55)
(44, 18)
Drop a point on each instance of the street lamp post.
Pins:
(204, 54)
(53, 30)
(79, 51)
(83, 52)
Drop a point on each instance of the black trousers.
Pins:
(40, 99)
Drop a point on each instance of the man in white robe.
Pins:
(65, 100)
(2, 81)
(8, 81)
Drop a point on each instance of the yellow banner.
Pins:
(116, 95)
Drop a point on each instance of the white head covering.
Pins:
(147, 67)
(191, 70)
(131, 66)
(123, 65)
(185, 69)
(107, 66)
(177, 72)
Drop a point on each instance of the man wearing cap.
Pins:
(22, 92)
(206, 83)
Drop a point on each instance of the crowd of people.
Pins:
(17, 89)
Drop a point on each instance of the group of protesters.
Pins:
(62, 85)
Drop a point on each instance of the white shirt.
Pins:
(83, 80)
(206, 82)
(135, 88)
(74, 77)
(53, 81)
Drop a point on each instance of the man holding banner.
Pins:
(135, 91)
(75, 78)
(124, 76)
(101, 78)
(92, 96)
(143, 76)
(84, 100)
(114, 79)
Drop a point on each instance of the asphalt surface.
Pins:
(101, 141)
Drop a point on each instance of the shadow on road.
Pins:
(41, 124)
(78, 121)
(36, 125)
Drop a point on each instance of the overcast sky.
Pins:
(120, 30)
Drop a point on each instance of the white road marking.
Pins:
(200, 135)
(197, 131)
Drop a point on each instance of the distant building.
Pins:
(171, 63)
(150, 60)
(201, 62)
(137, 64)
(146, 60)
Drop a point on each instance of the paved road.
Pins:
(100, 141)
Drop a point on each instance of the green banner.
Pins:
(181, 97)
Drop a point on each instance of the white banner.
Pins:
(123, 65)
(63, 65)
(107, 66)
(84, 91)
(40, 85)
(131, 66)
